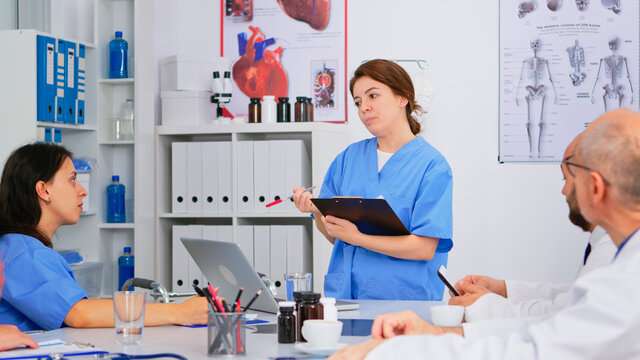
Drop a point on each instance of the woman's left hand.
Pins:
(358, 351)
(342, 229)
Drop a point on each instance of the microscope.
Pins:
(221, 94)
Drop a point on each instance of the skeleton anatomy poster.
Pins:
(287, 48)
(562, 64)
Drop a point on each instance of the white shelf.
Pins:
(66, 126)
(194, 216)
(236, 215)
(88, 213)
(299, 127)
(127, 81)
(117, 226)
(117, 142)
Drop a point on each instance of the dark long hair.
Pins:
(395, 77)
(19, 206)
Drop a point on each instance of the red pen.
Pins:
(214, 294)
(289, 198)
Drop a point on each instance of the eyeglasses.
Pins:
(569, 164)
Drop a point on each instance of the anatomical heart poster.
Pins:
(287, 48)
(563, 63)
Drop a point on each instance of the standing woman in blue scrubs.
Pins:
(401, 167)
(38, 194)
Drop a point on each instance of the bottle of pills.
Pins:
(329, 309)
(286, 322)
(309, 104)
(255, 110)
(284, 109)
(269, 111)
(301, 109)
(310, 309)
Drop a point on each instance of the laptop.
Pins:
(225, 266)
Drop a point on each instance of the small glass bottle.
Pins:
(300, 109)
(329, 309)
(297, 297)
(255, 110)
(284, 109)
(309, 105)
(286, 322)
(310, 309)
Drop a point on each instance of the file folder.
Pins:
(195, 275)
(245, 177)
(194, 177)
(260, 176)
(179, 177)
(277, 168)
(60, 80)
(48, 135)
(299, 255)
(261, 257)
(225, 233)
(209, 177)
(70, 83)
(179, 257)
(224, 177)
(245, 242)
(298, 171)
(278, 261)
(57, 136)
(46, 89)
(81, 82)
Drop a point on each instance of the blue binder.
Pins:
(60, 80)
(70, 83)
(57, 136)
(81, 83)
(46, 107)
(48, 135)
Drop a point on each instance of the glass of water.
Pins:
(297, 282)
(128, 310)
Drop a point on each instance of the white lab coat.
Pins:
(601, 321)
(528, 298)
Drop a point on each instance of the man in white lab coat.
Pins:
(602, 319)
(487, 298)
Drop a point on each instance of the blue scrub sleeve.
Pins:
(432, 214)
(40, 286)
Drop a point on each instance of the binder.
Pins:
(194, 177)
(299, 255)
(278, 254)
(48, 135)
(261, 257)
(178, 177)
(179, 256)
(277, 167)
(40, 137)
(46, 88)
(298, 171)
(57, 136)
(245, 241)
(195, 275)
(224, 177)
(209, 232)
(81, 83)
(209, 177)
(60, 80)
(225, 233)
(260, 176)
(245, 177)
(70, 94)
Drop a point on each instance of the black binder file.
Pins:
(371, 216)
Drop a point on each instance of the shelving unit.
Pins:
(324, 140)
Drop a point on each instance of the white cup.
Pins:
(447, 315)
(321, 334)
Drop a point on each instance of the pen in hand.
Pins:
(289, 198)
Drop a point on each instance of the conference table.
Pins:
(192, 342)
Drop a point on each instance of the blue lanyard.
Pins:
(625, 243)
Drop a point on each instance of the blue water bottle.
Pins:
(118, 50)
(125, 268)
(115, 201)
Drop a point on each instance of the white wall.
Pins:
(510, 221)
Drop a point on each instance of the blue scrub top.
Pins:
(417, 183)
(39, 287)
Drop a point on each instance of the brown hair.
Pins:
(395, 77)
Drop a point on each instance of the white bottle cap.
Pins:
(327, 300)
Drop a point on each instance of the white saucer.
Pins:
(306, 348)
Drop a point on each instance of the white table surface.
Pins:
(192, 342)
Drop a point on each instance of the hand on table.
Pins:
(193, 311)
(402, 323)
(493, 285)
(469, 293)
(11, 337)
(357, 351)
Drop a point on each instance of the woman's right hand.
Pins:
(302, 199)
(493, 285)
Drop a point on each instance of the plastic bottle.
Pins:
(286, 323)
(115, 201)
(284, 109)
(118, 52)
(125, 268)
(255, 110)
(330, 311)
(269, 110)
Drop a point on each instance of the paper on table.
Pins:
(49, 347)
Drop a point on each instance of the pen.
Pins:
(235, 303)
(214, 294)
(253, 299)
(289, 198)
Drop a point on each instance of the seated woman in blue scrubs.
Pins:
(10, 336)
(38, 194)
(410, 174)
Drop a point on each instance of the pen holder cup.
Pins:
(226, 335)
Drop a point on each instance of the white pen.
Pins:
(290, 197)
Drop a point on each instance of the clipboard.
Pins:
(371, 216)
